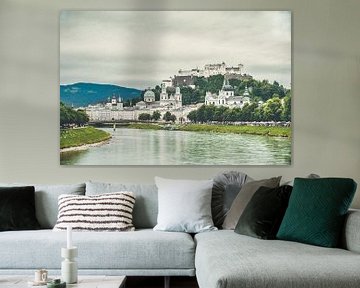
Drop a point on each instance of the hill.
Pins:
(83, 94)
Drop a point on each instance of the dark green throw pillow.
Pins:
(316, 211)
(17, 208)
(263, 214)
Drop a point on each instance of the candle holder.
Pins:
(69, 271)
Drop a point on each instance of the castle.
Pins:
(187, 77)
(212, 69)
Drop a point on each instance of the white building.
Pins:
(226, 97)
(114, 104)
(173, 101)
(114, 109)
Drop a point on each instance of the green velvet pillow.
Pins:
(17, 208)
(316, 211)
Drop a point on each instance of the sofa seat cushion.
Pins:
(142, 249)
(226, 259)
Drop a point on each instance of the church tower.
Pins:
(163, 95)
(178, 97)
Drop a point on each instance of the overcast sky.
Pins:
(139, 49)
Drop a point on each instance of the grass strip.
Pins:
(254, 130)
(82, 136)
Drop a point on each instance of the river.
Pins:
(161, 147)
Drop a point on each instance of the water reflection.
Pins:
(152, 147)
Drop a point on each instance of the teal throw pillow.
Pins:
(316, 211)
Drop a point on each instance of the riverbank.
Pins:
(82, 138)
(254, 130)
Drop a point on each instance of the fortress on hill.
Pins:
(187, 77)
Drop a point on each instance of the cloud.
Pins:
(140, 48)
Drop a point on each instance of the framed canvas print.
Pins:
(175, 88)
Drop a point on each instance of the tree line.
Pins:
(274, 109)
(168, 117)
(69, 116)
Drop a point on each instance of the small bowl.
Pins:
(56, 283)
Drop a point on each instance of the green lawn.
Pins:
(256, 130)
(151, 126)
(81, 136)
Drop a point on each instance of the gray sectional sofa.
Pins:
(219, 259)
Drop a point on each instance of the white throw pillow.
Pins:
(184, 205)
(105, 212)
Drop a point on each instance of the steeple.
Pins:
(246, 92)
(226, 85)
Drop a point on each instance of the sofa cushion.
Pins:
(225, 259)
(225, 189)
(243, 198)
(146, 205)
(46, 200)
(17, 208)
(105, 212)
(317, 209)
(350, 239)
(263, 215)
(184, 205)
(143, 249)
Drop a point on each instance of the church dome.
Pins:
(149, 94)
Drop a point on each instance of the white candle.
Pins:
(69, 237)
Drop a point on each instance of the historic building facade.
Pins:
(226, 97)
(115, 110)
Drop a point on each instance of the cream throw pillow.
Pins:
(184, 205)
(105, 212)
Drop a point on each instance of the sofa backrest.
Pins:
(46, 200)
(146, 203)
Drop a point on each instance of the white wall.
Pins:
(326, 89)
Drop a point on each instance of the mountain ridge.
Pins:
(82, 94)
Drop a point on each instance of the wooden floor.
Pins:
(158, 282)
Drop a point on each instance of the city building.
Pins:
(226, 97)
(115, 110)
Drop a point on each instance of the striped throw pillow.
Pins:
(105, 212)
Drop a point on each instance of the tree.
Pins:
(144, 117)
(272, 109)
(192, 116)
(172, 118)
(157, 92)
(187, 95)
(156, 116)
(215, 83)
(200, 115)
(169, 117)
(248, 112)
(69, 116)
(286, 113)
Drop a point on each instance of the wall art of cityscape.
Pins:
(228, 104)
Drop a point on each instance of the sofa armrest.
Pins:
(351, 234)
